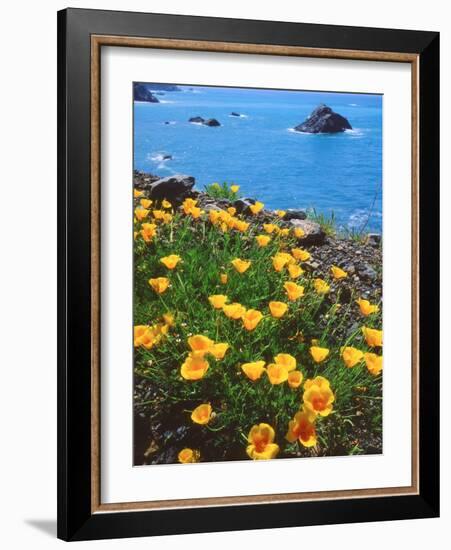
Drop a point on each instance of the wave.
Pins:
(360, 217)
(162, 167)
(353, 104)
(239, 116)
(191, 91)
(158, 157)
(293, 131)
(355, 132)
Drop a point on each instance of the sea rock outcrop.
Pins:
(142, 93)
(205, 122)
(323, 121)
(212, 122)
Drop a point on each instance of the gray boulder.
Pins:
(242, 205)
(173, 188)
(292, 214)
(313, 234)
(373, 239)
(324, 121)
(367, 272)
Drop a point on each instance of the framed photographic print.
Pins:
(248, 274)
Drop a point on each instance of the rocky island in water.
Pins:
(323, 121)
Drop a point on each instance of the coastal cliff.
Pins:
(142, 93)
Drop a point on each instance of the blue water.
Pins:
(339, 173)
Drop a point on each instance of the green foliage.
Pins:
(221, 191)
(354, 234)
(239, 403)
(328, 223)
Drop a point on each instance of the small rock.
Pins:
(211, 206)
(233, 113)
(212, 122)
(196, 120)
(311, 265)
(180, 433)
(345, 295)
(292, 214)
(168, 456)
(373, 239)
(354, 328)
(367, 272)
(313, 234)
(242, 205)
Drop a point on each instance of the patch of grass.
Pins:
(222, 191)
(332, 229)
(328, 223)
(354, 234)
(207, 247)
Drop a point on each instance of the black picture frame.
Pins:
(76, 520)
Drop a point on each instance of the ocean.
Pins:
(259, 151)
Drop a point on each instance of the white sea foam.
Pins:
(163, 167)
(355, 132)
(292, 130)
(158, 157)
(361, 217)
